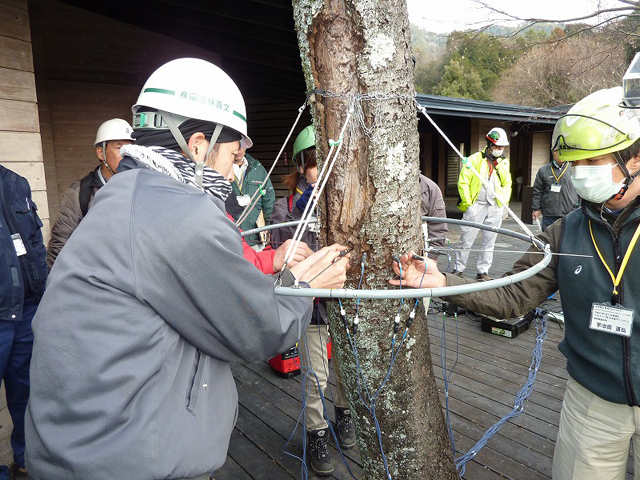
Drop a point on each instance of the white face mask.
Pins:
(594, 183)
(496, 152)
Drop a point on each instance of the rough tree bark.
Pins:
(372, 204)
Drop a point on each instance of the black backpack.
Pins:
(85, 193)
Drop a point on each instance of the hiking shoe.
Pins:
(483, 277)
(318, 452)
(457, 273)
(346, 430)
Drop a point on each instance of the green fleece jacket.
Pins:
(603, 363)
(253, 178)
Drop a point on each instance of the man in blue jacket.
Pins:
(23, 273)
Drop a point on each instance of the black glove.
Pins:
(232, 206)
(301, 203)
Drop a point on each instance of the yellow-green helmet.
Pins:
(596, 125)
(305, 139)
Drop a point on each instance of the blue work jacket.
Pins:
(26, 274)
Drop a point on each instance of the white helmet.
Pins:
(498, 137)
(114, 129)
(190, 88)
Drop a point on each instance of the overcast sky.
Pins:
(444, 17)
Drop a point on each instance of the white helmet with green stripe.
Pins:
(190, 88)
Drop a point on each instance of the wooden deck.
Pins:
(489, 371)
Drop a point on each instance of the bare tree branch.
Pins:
(631, 8)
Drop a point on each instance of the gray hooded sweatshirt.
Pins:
(146, 307)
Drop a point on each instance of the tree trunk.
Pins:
(372, 205)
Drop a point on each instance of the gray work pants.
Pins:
(479, 213)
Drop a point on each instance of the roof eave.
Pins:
(459, 107)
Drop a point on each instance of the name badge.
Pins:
(611, 319)
(243, 200)
(555, 187)
(18, 245)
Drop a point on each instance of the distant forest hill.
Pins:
(545, 65)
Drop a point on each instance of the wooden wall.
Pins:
(90, 68)
(20, 146)
(540, 153)
(269, 123)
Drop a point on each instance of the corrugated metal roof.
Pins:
(460, 107)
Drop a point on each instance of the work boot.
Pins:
(483, 276)
(346, 430)
(457, 273)
(19, 473)
(318, 457)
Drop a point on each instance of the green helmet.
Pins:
(305, 139)
(596, 125)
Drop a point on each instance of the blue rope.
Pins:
(522, 395)
(447, 377)
(370, 407)
(308, 372)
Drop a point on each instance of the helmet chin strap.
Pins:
(173, 125)
(628, 177)
(104, 158)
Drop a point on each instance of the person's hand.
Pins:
(326, 268)
(536, 214)
(417, 273)
(301, 203)
(300, 253)
(300, 269)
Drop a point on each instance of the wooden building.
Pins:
(467, 122)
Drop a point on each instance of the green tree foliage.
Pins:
(428, 51)
(538, 33)
(474, 54)
(542, 63)
(489, 55)
(460, 80)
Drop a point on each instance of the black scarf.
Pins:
(178, 167)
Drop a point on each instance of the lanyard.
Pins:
(243, 174)
(239, 182)
(299, 191)
(492, 164)
(562, 172)
(616, 279)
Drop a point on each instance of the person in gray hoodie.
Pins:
(148, 303)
